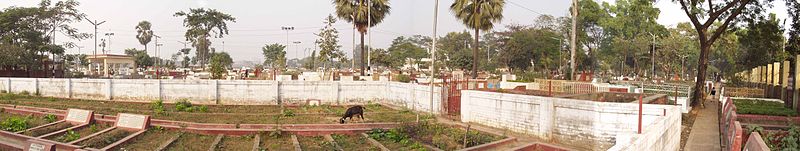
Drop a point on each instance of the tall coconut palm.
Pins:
(355, 12)
(145, 34)
(478, 15)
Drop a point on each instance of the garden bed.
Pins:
(276, 142)
(314, 143)
(762, 107)
(48, 129)
(225, 114)
(236, 143)
(105, 139)
(78, 133)
(353, 142)
(190, 141)
(15, 122)
(410, 137)
(148, 141)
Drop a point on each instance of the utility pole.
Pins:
(95, 23)
(158, 75)
(369, 33)
(653, 54)
(109, 40)
(433, 51)
(353, 60)
(572, 43)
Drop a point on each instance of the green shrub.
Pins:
(287, 113)
(25, 92)
(157, 106)
(50, 118)
(184, 106)
(69, 136)
(93, 128)
(202, 108)
(14, 124)
(3, 91)
(402, 78)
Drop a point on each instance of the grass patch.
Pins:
(760, 107)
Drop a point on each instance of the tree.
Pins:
(724, 12)
(219, 64)
(591, 35)
(793, 44)
(761, 43)
(140, 57)
(525, 47)
(631, 28)
(311, 61)
(478, 15)
(328, 42)
(403, 48)
(204, 23)
(57, 18)
(144, 33)
(362, 15)
(455, 50)
(678, 44)
(274, 56)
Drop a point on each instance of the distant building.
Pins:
(111, 65)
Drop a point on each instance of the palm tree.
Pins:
(478, 15)
(355, 12)
(145, 34)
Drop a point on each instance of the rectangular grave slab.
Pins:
(78, 116)
(36, 145)
(132, 122)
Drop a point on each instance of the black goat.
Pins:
(353, 111)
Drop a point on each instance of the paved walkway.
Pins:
(705, 131)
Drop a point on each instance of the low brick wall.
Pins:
(233, 92)
(584, 125)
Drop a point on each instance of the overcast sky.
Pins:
(258, 22)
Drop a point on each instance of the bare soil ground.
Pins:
(82, 132)
(48, 129)
(105, 139)
(192, 142)
(314, 143)
(243, 143)
(283, 142)
(353, 143)
(148, 141)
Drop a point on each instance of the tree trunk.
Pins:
(475, 55)
(702, 64)
(363, 55)
(145, 48)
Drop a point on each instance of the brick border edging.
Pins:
(490, 145)
(542, 146)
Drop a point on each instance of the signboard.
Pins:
(36, 145)
(78, 116)
(132, 121)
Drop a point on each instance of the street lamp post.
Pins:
(296, 50)
(95, 23)
(287, 29)
(109, 40)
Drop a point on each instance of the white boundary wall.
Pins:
(231, 92)
(587, 125)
